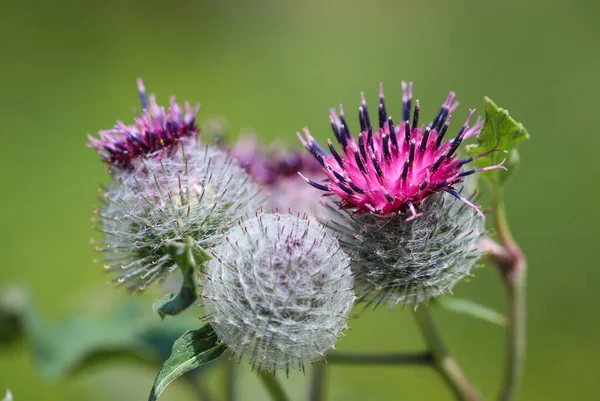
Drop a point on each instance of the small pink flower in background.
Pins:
(392, 169)
(155, 130)
(277, 171)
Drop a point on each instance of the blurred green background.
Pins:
(69, 67)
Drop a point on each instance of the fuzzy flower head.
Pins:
(195, 192)
(278, 291)
(167, 186)
(393, 169)
(154, 131)
(409, 262)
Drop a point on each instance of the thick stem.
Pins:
(407, 358)
(230, 379)
(317, 383)
(273, 387)
(516, 341)
(444, 363)
(513, 268)
(199, 388)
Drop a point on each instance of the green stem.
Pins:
(443, 362)
(199, 388)
(513, 268)
(317, 383)
(408, 358)
(273, 387)
(230, 376)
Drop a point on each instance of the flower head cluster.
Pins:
(408, 262)
(176, 188)
(155, 131)
(392, 169)
(278, 291)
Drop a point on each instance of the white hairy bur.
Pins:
(409, 262)
(278, 291)
(196, 192)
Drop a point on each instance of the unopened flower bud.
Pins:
(278, 291)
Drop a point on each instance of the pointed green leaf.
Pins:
(189, 256)
(194, 348)
(500, 132)
(8, 396)
(73, 344)
(473, 309)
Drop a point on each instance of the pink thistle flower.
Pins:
(391, 170)
(155, 130)
(277, 172)
(271, 165)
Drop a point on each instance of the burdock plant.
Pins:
(411, 241)
(277, 289)
(170, 198)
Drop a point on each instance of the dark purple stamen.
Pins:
(411, 155)
(359, 163)
(405, 170)
(376, 165)
(335, 154)
(407, 132)
(416, 116)
(426, 133)
(438, 163)
(441, 134)
(344, 127)
(355, 188)
(466, 173)
(345, 188)
(318, 186)
(456, 142)
(338, 175)
(362, 119)
(370, 138)
(336, 131)
(386, 148)
(382, 113)
(366, 111)
(392, 132)
(361, 146)
(406, 107)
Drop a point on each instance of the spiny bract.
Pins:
(409, 262)
(278, 291)
(193, 192)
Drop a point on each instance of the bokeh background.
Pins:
(69, 67)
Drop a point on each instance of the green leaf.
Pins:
(189, 256)
(473, 309)
(194, 348)
(75, 343)
(8, 396)
(503, 133)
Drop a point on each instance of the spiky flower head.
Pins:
(175, 188)
(278, 291)
(392, 169)
(154, 132)
(400, 261)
